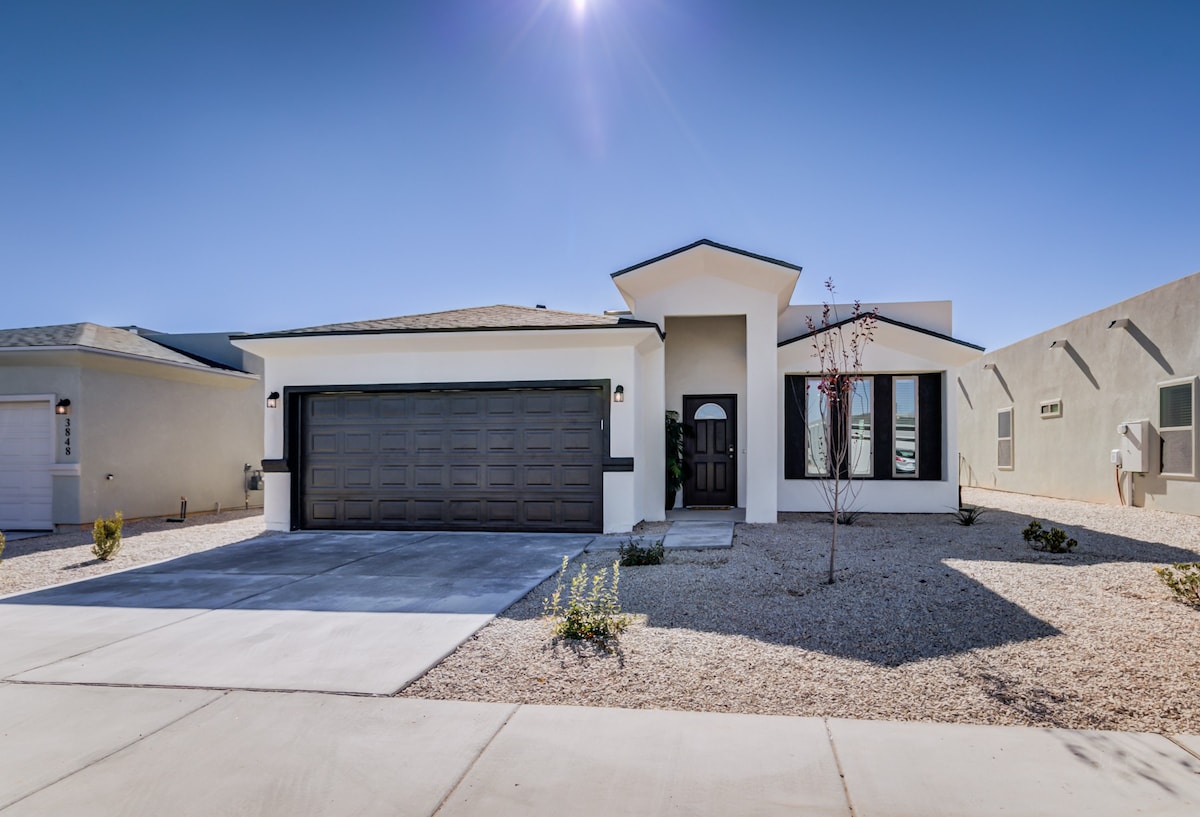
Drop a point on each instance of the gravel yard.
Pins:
(927, 621)
(62, 557)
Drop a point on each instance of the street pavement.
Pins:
(256, 679)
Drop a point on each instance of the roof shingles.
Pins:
(500, 316)
(92, 336)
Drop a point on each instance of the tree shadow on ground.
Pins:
(896, 599)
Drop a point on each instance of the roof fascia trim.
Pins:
(128, 356)
(884, 319)
(704, 242)
(344, 332)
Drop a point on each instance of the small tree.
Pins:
(835, 446)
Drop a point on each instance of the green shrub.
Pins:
(1, 546)
(633, 554)
(1051, 541)
(968, 515)
(106, 537)
(593, 609)
(1184, 581)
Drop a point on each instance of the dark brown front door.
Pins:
(709, 449)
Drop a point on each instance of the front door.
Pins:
(709, 449)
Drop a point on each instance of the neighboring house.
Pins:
(1044, 415)
(95, 419)
(517, 418)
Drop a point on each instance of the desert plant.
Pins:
(592, 610)
(968, 515)
(633, 554)
(674, 431)
(835, 395)
(1184, 580)
(1, 546)
(106, 537)
(848, 517)
(1052, 541)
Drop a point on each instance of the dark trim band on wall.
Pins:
(618, 464)
(275, 467)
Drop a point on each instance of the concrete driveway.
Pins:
(324, 612)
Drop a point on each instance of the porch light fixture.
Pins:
(1119, 323)
(273, 400)
(63, 406)
(1058, 344)
(619, 394)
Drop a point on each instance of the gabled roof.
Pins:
(881, 319)
(704, 242)
(477, 319)
(94, 337)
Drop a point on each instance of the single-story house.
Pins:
(525, 418)
(1100, 409)
(95, 419)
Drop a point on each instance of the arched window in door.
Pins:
(710, 411)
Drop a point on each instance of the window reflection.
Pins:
(904, 461)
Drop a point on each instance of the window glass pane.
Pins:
(1175, 406)
(1004, 454)
(710, 411)
(904, 390)
(815, 410)
(860, 429)
(1177, 450)
(1004, 429)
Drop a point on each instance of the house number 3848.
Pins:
(67, 438)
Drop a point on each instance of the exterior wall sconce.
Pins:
(1058, 344)
(273, 400)
(619, 394)
(63, 406)
(1119, 323)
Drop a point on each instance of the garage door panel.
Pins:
(429, 441)
(465, 441)
(501, 460)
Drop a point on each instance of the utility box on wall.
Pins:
(1135, 446)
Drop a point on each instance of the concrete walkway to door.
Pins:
(330, 612)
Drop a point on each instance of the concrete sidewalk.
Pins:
(138, 752)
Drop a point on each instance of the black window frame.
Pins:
(930, 432)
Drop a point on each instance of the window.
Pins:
(710, 411)
(1176, 429)
(1004, 439)
(1051, 409)
(894, 429)
(851, 435)
(904, 427)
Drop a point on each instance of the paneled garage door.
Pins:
(26, 453)
(520, 459)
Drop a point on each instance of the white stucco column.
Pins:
(762, 397)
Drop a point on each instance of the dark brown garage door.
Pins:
(521, 459)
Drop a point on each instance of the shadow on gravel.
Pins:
(895, 601)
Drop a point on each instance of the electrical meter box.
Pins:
(1134, 446)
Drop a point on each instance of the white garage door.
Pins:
(26, 454)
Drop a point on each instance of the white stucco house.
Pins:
(1100, 409)
(95, 419)
(523, 418)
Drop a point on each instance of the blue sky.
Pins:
(250, 165)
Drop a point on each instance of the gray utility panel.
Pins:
(528, 459)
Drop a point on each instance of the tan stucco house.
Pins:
(525, 418)
(1100, 409)
(95, 419)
